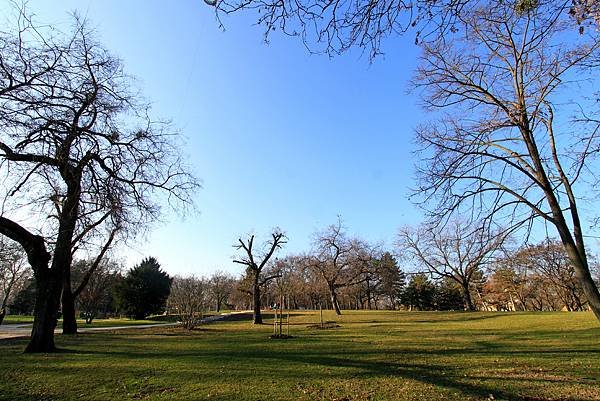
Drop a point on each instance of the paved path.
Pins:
(24, 330)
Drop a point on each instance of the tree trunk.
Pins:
(47, 301)
(256, 315)
(69, 325)
(467, 298)
(2, 314)
(48, 285)
(582, 273)
(334, 302)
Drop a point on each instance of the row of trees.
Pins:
(339, 273)
(471, 268)
(144, 290)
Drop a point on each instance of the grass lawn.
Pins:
(371, 356)
(17, 319)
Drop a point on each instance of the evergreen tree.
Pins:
(24, 301)
(419, 293)
(448, 296)
(145, 290)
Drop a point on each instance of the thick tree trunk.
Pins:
(48, 285)
(2, 314)
(256, 315)
(69, 324)
(47, 301)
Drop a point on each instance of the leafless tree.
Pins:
(503, 149)
(457, 252)
(189, 299)
(13, 269)
(334, 26)
(255, 261)
(95, 283)
(79, 151)
(220, 287)
(546, 266)
(339, 260)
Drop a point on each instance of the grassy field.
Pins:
(370, 356)
(17, 319)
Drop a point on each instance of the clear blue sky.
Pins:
(279, 137)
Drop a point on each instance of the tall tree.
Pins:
(255, 261)
(81, 154)
(504, 148)
(392, 278)
(145, 290)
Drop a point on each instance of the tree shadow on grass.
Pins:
(350, 365)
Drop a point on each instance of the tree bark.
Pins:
(48, 285)
(2, 314)
(69, 322)
(467, 298)
(47, 301)
(256, 314)
(334, 302)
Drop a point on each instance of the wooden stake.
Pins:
(321, 310)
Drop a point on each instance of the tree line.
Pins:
(340, 272)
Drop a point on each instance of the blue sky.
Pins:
(279, 137)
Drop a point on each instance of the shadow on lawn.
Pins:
(443, 376)
(375, 365)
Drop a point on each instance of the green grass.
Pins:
(18, 319)
(371, 356)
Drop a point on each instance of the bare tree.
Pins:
(503, 149)
(255, 261)
(189, 299)
(457, 252)
(334, 26)
(220, 287)
(13, 270)
(81, 153)
(95, 296)
(549, 265)
(339, 260)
